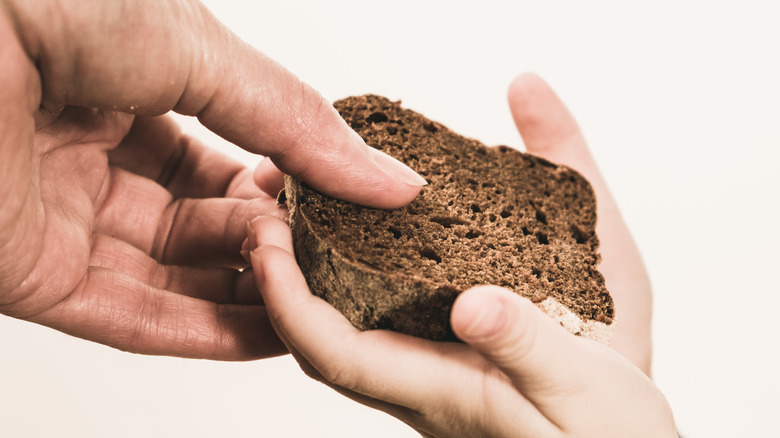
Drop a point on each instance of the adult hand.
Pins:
(114, 226)
(517, 374)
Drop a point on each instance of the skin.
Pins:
(117, 228)
(549, 130)
(114, 226)
(517, 374)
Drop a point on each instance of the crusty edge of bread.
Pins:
(328, 263)
(591, 329)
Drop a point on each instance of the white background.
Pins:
(680, 103)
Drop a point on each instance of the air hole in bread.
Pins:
(505, 213)
(376, 117)
(473, 234)
(541, 216)
(446, 221)
(430, 253)
(396, 232)
(430, 127)
(542, 238)
(476, 208)
(578, 235)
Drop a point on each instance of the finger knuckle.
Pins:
(301, 135)
(338, 373)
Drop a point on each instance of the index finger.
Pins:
(150, 57)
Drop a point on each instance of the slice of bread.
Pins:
(487, 216)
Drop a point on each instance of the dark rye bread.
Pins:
(487, 216)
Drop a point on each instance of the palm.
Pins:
(112, 256)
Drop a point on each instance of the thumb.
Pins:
(582, 386)
(517, 337)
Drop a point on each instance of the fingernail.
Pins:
(251, 236)
(489, 321)
(397, 169)
(254, 261)
(245, 244)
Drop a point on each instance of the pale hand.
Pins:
(518, 374)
